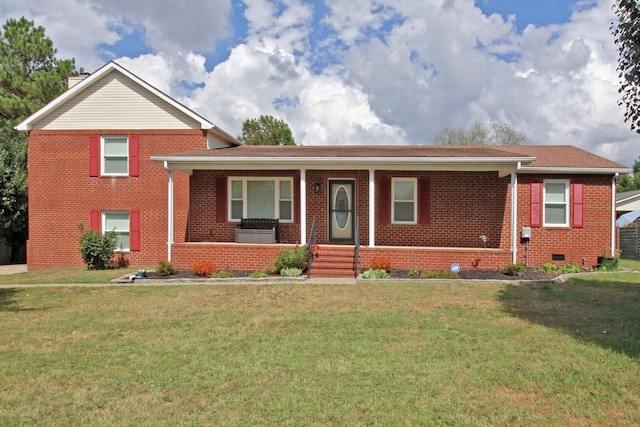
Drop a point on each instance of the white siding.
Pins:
(116, 102)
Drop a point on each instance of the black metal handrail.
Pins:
(311, 246)
(356, 254)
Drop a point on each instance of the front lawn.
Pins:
(370, 354)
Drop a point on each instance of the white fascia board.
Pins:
(569, 170)
(26, 125)
(265, 163)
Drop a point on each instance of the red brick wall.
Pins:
(580, 246)
(61, 194)
(463, 206)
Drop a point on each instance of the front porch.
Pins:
(256, 257)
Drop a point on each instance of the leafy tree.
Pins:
(627, 38)
(30, 75)
(266, 130)
(13, 187)
(630, 182)
(480, 134)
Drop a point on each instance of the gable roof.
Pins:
(107, 69)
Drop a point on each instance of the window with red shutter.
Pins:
(536, 204)
(424, 201)
(578, 204)
(94, 155)
(384, 201)
(134, 156)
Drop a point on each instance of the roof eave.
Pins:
(573, 170)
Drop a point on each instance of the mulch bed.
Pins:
(477, 274)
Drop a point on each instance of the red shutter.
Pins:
(578, 204)
(536, 204)
(424, 201)
(296, 199)
(134, 157)
(134, 230)
(384, 201)
(221, 199)
(94, 155)
(94, 221)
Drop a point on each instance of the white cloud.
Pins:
(367, 71)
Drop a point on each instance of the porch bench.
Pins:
(258, 230)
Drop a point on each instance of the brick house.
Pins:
(115, 152)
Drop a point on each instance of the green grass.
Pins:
(630, 264)
(64, 276)
(371, 354)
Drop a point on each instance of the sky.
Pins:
(364, 71)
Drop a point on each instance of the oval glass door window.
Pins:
(342, 211)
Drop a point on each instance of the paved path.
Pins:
(13, 268)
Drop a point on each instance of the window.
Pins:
(404, 206)
(115, 155)
(118, 222)
(556, 203)
(261, 198)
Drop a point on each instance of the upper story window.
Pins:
(115, 155)
(556, 203)
(404, 196)
(261, 198)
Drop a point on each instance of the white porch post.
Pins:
(169, 212)
(372, 208)
(303, 206)
(514, 215)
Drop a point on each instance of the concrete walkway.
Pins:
(13, 268)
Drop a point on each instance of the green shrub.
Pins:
(571, 268)
(435, 274)
(222, 274)
(414, 272)
(375, 274)
(258, 275)
(561, 269)
(609, 264)
(551, 268)
(97, 249)
(165, 268)
(290, 272)
(515, 269)
(291, 258)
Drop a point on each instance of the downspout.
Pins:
(614, 180)
(303, 207)
(169, 212)
(514, 214)
(372, 209)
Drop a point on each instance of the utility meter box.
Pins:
(526, 233)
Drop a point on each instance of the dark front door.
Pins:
(341, 210)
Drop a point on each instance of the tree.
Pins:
(30, 75)
(630, 182)
(627, 37)
(13, 187)
(266, 130)
(480, 134)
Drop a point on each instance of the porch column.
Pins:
(514, 215)
(303, 206)
(372, 208)
(169, 212)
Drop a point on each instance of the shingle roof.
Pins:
(353, 151)
(562, 156)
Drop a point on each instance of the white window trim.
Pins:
(103, 140)
(415, 200)
(277, 200)
(566, 203)
(128, 230)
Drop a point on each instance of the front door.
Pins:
(341, 211)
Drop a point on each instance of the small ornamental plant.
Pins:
(165, 268)
(380, 263)
(203, 268)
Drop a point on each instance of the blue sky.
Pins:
(364, 71)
